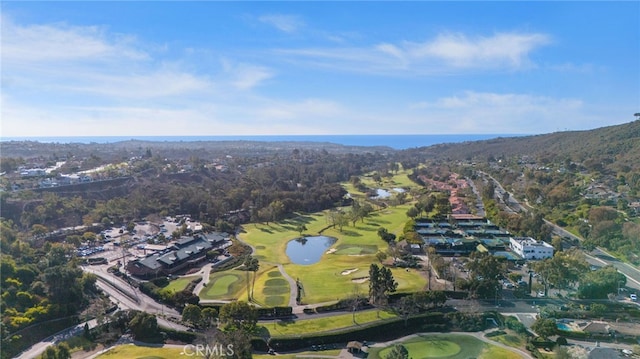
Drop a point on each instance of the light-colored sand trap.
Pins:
(332, 250)
(349, 271)
(360, 280)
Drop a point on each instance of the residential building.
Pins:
(529, 248)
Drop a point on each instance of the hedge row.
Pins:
(185, 337)
(376, 331)
(274, 312)
(341, 305)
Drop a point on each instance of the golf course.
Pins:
(342, 269)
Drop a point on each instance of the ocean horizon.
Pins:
(398, 142)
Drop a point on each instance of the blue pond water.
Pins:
(308, 250)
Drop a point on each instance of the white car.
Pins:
(633, 297)
(541, 293)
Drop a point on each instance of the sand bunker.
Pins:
(349, 271)
(360, 280)
(332, 250)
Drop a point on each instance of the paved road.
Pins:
(511, 204)
(600, 257)
(134, 299)
(37, 349)
(479, 205)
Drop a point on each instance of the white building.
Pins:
(529, 248)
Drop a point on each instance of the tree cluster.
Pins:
(381, 283)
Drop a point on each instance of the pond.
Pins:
(383, 193)
(308, 250)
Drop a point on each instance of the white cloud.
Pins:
(246, 76)
(502, 49)
(72, 80)
(445, 53)
(285, 23)
(60, 42)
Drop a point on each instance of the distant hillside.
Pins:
(174, 150)
(616, 147)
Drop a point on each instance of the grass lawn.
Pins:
(450, 346)
(179, 284)
(510, 339)
(131, 351)
(227, 285)
(325, 323)
(307, 355)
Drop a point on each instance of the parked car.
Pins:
(633, 297)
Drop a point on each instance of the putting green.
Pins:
(275, 282)
(449, 346)
(275, 290)
(223, 286)
(427, 349)
(271, 289)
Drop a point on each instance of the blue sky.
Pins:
(157, 68)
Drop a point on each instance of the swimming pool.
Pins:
(563, 326)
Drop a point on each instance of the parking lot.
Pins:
(118, 244)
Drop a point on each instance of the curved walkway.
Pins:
(292, 283)
(205, 271)
(293, 286)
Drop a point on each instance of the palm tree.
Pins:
(251, 264)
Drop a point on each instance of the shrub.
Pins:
(495, 333)
(515, 325)
(178, 335)
(275, 312)
(161, 282)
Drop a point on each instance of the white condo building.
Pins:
(529, 248)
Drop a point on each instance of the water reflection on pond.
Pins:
(308, 250)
